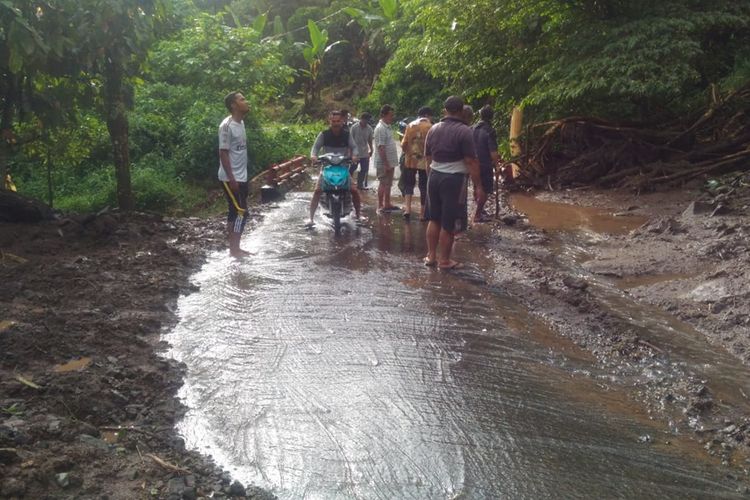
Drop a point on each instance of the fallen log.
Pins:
(18, 208)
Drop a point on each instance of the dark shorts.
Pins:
(487, 175)
(446, 201)
(410, 181)
(364, 167)
(237, 213)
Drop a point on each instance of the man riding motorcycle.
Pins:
(334, 140)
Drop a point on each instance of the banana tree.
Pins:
(313, 53)
(372, 23)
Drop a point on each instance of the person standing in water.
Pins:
(415, 165)
(451, 156)
(233, 168)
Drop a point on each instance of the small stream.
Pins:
(339, 367)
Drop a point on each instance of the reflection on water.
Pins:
(327, 367)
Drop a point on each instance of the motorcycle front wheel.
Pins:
(336, 215)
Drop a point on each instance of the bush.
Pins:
(274, 143)
(92, 192)
(405, 84)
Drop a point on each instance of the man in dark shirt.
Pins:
(450, 154)
(485, 141)
(338, 141)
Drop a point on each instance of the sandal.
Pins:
(453, 265)
(429, 263)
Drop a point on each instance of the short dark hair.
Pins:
(454, 104)
(365, 116)
(387, 108)
(486, 113)
(230, 98)
(335, 112)
(424, 111)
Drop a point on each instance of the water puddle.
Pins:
(352, 371)
(75, 365)
(553, 216)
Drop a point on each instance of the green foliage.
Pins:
(158, 186)
(623, 60)
(275, 143)
(405, 84)
(390, 8)
(213, 58)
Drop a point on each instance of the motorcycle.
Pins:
(336, 188)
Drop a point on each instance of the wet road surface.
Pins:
(339, 367)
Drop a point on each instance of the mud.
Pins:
(88, 406)
(663, 304)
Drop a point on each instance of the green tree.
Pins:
(629, 60)
(313, 52)
(113, 38)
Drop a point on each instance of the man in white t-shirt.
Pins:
(233, 168)
(385, 158)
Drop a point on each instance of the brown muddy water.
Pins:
(573, 228)
(339, 367)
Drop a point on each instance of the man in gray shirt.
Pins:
(362, 133)
(450, 153)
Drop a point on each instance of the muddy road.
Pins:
(339, 367)
(582, 353)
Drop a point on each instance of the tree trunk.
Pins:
(117, 124)
(6, 120)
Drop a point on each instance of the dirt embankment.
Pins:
(87, 406)
(648, 303)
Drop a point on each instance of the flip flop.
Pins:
(429, 263)
(453, 265)
(309, 225)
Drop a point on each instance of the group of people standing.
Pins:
(438, 158)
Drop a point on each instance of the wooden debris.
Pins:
(163, 463)
(13, 258)
(579, 151)
(27, 382)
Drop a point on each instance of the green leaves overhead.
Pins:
(611, 58)
(318, 38)
(214, 58)
(259, 24)
(390, 8)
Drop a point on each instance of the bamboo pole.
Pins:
(516, 127)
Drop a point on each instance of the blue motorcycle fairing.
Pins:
(335, 177)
